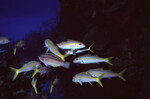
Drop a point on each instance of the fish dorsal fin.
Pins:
(100, 68)
(87, 55)
(82, 73)
(96, 56)
(70, 40)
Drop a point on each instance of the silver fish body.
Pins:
(43, 70)
(89, 59)
(30, 66)
(71, 44)
(54, 49)
(86, 78)
(100, 71)
(107, 73)
(52, 60)
(83, 78)
(26, 67)
(4, 40)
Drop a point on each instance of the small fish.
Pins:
(88, 59)
(73, 52)
(41, 70)
(4, 40)
(86, 78)
(20, 43)
(34, 82)
(25, 68)
(54, 49)
(52, 60)
(71, 44)
(108, 74)
(56, 80)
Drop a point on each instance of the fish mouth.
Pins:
(74, 61)
(40, 58)
(73, 79)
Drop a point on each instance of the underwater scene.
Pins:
(74, 49)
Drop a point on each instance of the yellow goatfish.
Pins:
(34, 82)
(4, 40)
(20, 43)
(88, 59)
(71, 44)
(25, 68)
(41, 70)
(86, 78)
(52, 60)
(51, 47)
(73, 52)
(56, 80)
(108, 74)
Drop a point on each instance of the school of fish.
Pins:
(56, 59)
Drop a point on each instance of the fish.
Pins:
(108, 73)
(56, 80)
(41, 70)
(34, 83)
(74, 52)
(52, 60)
(25, 68)
(89, 59)
(4, 40)
(71, 44)
(54, 49)
(86, 78)
(20, 43)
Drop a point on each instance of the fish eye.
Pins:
(76, 58)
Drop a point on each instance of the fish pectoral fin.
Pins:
(47, 50)
(90, 83)
(80, 83)
(55, 65)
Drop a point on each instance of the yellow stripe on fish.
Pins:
(88, 59)
(54, 49)
(25, 68)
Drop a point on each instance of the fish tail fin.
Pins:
(99, 78)
(51, 89)
(121, 74)
(64, 56)
(15, 49)
(108, 60)
(89, 48)
(34, 82)
(67, 65)
(35, 71)
(16, 72)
